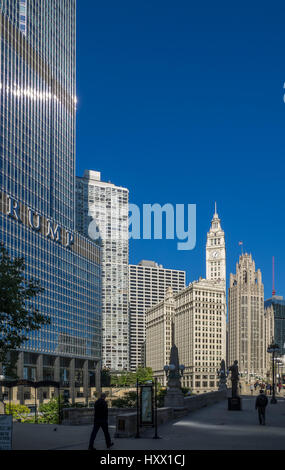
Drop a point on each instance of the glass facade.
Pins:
(278, 333)
(37, 107)
(37, 175)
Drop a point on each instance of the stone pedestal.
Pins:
(234, 404)
(174, 398)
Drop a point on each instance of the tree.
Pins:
(129, 400)
(19, 412)
(49, 412)
(18, 317)
(144, 374)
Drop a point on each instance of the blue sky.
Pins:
(182, 102)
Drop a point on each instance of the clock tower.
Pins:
(216, 252)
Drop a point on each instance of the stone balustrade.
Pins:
(126, 424)
(78, 416)
(125, 419)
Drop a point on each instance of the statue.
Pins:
(234, 379)
(222, 376)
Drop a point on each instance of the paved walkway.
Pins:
(213, 427)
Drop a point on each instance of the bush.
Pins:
(160, 397)
(128, 401)
(20, 412)
(49, 411)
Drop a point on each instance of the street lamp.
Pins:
(173, 371)
(272, 349)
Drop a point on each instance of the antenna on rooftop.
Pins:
(273, 278)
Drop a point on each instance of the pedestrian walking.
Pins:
(251, 389)
(260, 405)
(100, 421)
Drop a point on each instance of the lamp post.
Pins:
(172, 371)
(272, 349)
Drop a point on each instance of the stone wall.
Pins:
(126, 424)
(125, 419)
(78, 416)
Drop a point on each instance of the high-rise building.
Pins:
(148, 283)
(246, 319)
(102, 212)
(199, 313)
(37, 180)
(200, 333)
(216, 252)
(274, 327)
(159, 333)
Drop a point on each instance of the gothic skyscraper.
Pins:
(246, 318)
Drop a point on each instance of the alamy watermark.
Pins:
(151, 221)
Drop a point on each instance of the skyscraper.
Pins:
(216, 252)
(274, 327)
(200, 333)
(199, 313)
(102, 212)
(37, 180)
(158, 324)
(148, 283)
(246, 318)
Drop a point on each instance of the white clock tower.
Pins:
(216, 252)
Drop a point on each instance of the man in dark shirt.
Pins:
(260, 405)
(100, 421)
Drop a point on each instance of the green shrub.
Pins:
(129, 400)
(49, 411)
(18, 411)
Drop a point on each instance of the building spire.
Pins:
(215, 214)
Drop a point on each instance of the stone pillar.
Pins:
(72, 380)
(20, 374)
(98, 378)
(86, 381)
(56, 374)
(39, 377)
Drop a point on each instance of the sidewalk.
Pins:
(211, 428)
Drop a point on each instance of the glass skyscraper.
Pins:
(274, 316)
(37, 181)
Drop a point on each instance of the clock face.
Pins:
(215, 254)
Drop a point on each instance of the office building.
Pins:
(199, 313)
(274, 327)
(200, 333)
(148, 283)
(102, 213)
(159, 337)
(246, 319)
(37, 193)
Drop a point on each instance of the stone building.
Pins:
(246, 319)
(159, 321)
(199, 313)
